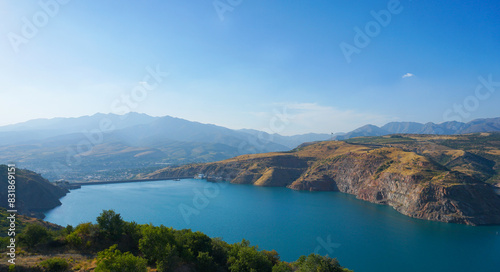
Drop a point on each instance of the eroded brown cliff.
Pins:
(403, 172)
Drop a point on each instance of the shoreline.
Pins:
(77, 185)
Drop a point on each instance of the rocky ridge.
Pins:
(34, 194)
(419, 176)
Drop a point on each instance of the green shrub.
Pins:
(192, 243)
(113, 260)
(282, 267)
(315, 262)
(74, 240)
(88, 234)
(169, 260)
(4, 242)
(55, 265)
(220, 251)
(205, 262)
(131, 236)
(244, 258)
(34, 234)
(68, 229)
(157, 242)
(272, 256)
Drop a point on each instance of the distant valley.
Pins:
(117, 147)
(113, 147)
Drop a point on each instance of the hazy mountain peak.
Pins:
(451, 127)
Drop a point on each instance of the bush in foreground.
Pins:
(55, 265)
(127, 246)
(34, 234)
(315, 262)
(113, 260)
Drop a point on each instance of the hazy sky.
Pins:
(282, 66)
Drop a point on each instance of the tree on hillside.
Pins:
(34, 234)
(282, 267)
(157, 242)
(192, 243)
(316, 262)
(111, 224)
(246, 258)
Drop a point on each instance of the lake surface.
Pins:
(363, 236)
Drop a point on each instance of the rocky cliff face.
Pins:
(414, 184)
(34, 194)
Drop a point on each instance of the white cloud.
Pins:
(408, 75)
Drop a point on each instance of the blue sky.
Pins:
(247, 64)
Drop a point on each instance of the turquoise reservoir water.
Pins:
(363, 236)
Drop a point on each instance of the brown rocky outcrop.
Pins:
(415, 185)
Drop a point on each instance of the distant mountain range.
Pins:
(111, 147)
(142, 129)
(446, 128)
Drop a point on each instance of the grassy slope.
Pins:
(474, 157)
(21, 222)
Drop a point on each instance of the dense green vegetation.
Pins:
(25, 225)
(117, 245)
